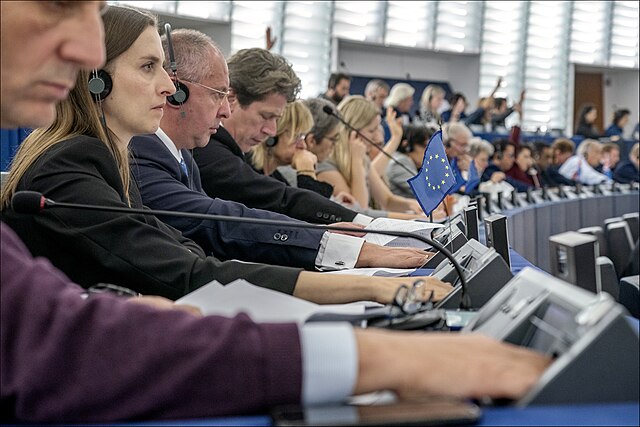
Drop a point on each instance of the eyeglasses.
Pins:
(220, 95)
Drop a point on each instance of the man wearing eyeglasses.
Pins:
(261, 84)
(169, 179)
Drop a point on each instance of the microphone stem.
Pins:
(464, 304)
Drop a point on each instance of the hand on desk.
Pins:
(387, 288)
(465, 366)
(372, 255)
(165, 304)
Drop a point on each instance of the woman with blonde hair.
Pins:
(430, 103)
(83, 158)
(348, 169)
(289, 148)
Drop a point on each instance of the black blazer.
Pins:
(227, 176)
(626, 172)
(136, 251)
(163, 185)
(302, 181)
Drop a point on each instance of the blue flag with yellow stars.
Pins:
(435, 178)
(474, 178)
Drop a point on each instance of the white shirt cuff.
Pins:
(338, 251)
(362, 219)
(329, 362)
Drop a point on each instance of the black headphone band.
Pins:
(182, 91)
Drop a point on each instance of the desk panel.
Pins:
(590, 211)
(543, 230)
(516, 226)
(607, 208)
(618, 414)
(529, 235)
(625, 203)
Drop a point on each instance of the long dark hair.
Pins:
(79, 114)
(584, 110)
(415, 135)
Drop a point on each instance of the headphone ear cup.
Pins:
(100, 84)
(272, 141)
(180, 97)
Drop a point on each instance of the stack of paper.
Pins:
(262, 305)
(388, 224)
(375, 271)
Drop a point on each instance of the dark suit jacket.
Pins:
(64, 359)
(302, 181)
(163, 185)
(626, 172)
(227, 176)
(136, 251)
(554, 178)
(519, 186)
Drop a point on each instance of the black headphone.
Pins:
(272, 141)
(100, 84)
(182, 92)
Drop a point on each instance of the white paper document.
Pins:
(389, 224)
(374, 271)
(261, 304)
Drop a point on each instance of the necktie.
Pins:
(183, 166)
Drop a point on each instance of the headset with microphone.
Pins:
(182, 91)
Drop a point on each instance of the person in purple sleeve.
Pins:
(66, 357)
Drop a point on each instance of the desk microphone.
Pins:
(327, 109)
(33, 203)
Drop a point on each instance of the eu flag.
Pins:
(457, 174)
(473, 179)
(435, 178)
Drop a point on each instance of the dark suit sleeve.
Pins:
(474, 118)
(228, 177)
(66, 359)
(308, 183)
(157, 175)
(518, 185)
(626, 172)
(498, 119)
(557, 178)
(136, 251)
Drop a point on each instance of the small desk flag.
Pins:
(435, 178)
